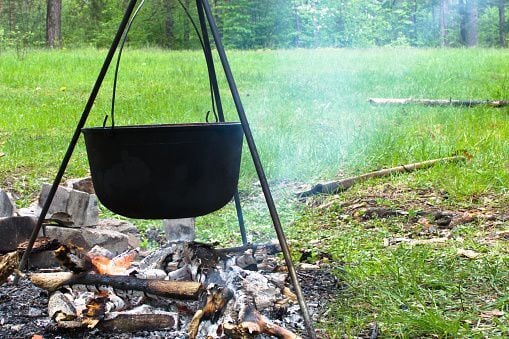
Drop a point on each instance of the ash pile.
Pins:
(186, 289)
(88, 280)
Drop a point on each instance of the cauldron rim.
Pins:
(195, 125)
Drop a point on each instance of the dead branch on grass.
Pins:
(334, 187)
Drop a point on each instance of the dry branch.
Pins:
(435, 102)
(334, 187)
(163, 288)
(8, 264)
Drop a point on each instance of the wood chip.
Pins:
(470, 254)
(492, 314)
(412, 242)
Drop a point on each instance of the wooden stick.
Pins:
(439, 102)
(164, 288)
(334, 187)
(8, 264)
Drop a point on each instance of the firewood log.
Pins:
(170, 289)
(61, 307)
(8, 264)
(217, 299)
(253, 323)
(138, 322)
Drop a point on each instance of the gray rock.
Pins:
(34, 312)
(98, 250)
(88, 237)
(7, 207)
(68, 235)
(179, 229)
(123, 227)
(43, 259)
(83, 208)
(80, 206)
(14, 231)
(113, 241)
(81, 184)
(59, 203)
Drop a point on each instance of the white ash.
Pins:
(199, 262)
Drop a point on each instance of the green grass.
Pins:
(310, 117)
(307, 108)
(410, 291)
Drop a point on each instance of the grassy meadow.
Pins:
(311, 120)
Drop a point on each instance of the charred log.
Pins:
(138, 322)
(253, 323)
(217, 299)
(164, 288)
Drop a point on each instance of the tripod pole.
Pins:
(207, 50)
(76, 135)
(259, 169)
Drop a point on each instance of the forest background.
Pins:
(257, 24)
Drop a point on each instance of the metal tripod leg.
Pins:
(217, 96)
(76, 135)
(259, 169)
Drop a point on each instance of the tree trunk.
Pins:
(468, 25)
(444, 30)
(169, 23)
(53, 23)
(186, 28)
(413, 18)
(11, 14)
(501, 23)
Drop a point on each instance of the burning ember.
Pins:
(191, 290)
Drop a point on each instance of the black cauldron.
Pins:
(165, 171)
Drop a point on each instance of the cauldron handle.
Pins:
(124, 38)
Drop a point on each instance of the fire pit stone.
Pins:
(81, 207)
(14, 231)
(7, 206)
(179, 229)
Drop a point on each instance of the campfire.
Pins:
(189, 288)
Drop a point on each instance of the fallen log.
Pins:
(438, 102)
(8, 264)
(334, 187)
(164, 288)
